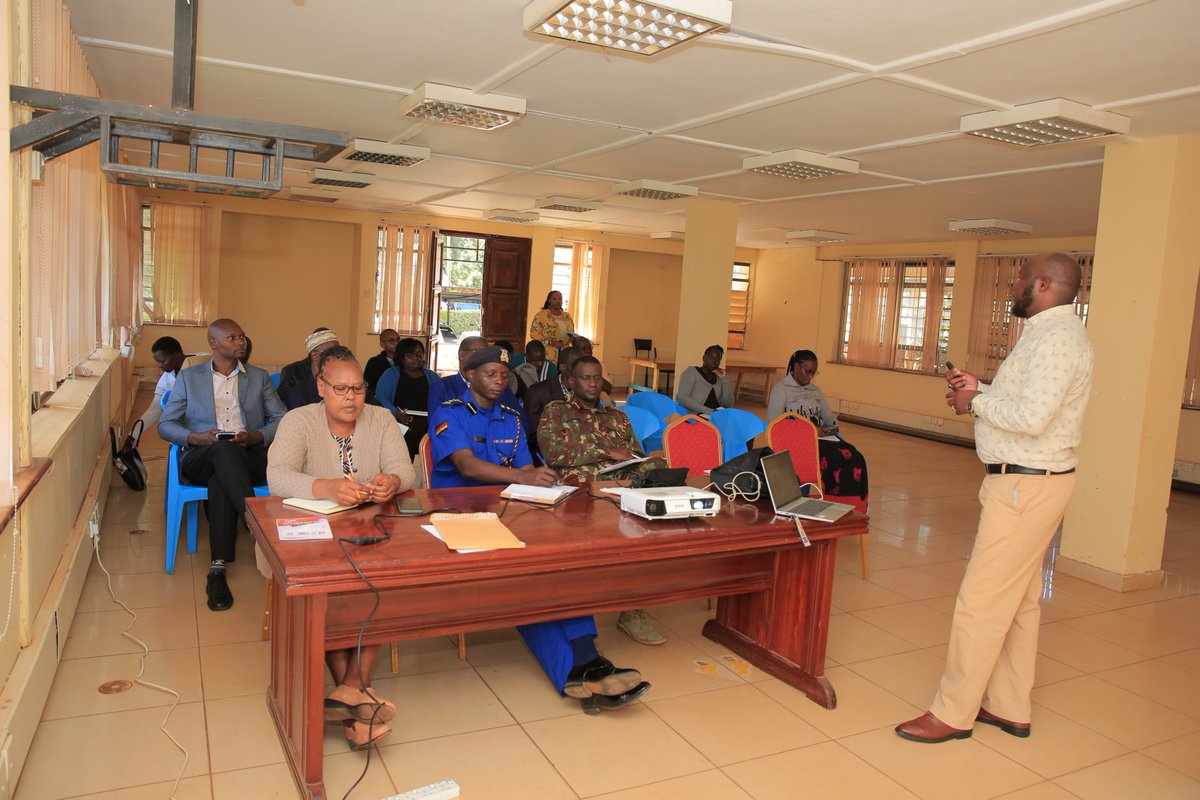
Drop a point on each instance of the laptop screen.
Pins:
(782, 482)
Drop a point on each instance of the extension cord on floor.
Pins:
(442, 790)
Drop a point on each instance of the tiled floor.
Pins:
(1117, 711)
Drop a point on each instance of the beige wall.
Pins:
(643, 303)
(281, 277)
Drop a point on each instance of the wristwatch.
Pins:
(971, 406)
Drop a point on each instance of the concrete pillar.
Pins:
(1144, 292)
(711, 235)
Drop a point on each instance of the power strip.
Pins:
(442, 790)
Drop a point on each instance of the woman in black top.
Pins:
(404, 388)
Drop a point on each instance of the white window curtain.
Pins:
(585, 299)
(122, 251)
(66, 219)
(402, 279)
(180, 246)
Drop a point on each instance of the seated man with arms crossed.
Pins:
(223, 416)
(478, 440)
(581, 436)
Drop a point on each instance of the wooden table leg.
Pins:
(296, 693)
(784, 630)
(654, 381)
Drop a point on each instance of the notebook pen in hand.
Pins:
(364, 495)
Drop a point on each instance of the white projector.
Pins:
(675, 502)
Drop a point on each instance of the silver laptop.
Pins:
(787, 497)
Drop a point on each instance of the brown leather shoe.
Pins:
(928, 729)
(1018, 729)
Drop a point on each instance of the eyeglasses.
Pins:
(340, 389)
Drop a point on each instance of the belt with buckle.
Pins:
(1017, 469)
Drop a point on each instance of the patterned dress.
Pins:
(552, 331)
(574, 440)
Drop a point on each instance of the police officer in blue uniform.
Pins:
(478, 440)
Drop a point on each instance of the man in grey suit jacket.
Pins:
(223, 416)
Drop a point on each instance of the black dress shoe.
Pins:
(603, 702)
(599, 676)
(219, 596)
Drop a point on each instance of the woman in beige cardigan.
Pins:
(344, 450)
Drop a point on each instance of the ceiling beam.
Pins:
(183, 69)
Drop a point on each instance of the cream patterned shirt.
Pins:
(1032, 413)
(225, 399)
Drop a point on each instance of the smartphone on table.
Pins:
(409, 507)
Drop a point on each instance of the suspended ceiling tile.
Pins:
(380, 41)
(485, 201)
(536, 184)
(654, 93)
(879, 31)
(1165, 118)
(768, 187)
(968, 155)
(453, 172)
(867, 113)
(532, 141)
(658, 159)
(400, 192)
(1127, 54)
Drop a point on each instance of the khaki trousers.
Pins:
(993, 639)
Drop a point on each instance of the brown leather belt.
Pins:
(1017, 469)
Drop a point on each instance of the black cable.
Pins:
(358, 660)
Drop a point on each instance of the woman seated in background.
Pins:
(705, 388)
(552, 326)
(404, 387)
(843, 468)
(343, 450)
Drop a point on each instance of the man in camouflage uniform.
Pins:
(578, 438)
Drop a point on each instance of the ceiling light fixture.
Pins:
(455, 106)
(800, 165)
(628, 26)
(508, 215)
(816, 236)
(312, 195)
(989, 227)
(392, 155)
(674, 236)
(655, 190)
(349, 180)
(572, 204)
(1047, 122)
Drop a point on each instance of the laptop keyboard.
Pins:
(808, 506)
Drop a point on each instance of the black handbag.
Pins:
(745, 472)
(128, 460)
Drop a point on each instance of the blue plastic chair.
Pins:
(657, 404)
(275, 380)
(646, 427)
(180, 496)
(737, 427)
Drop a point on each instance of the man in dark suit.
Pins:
(543, 393)
(298, 380)
(223, 416)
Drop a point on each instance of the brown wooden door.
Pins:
(506, 289)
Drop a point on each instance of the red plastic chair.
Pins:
(694, 443)
(794, 433)
(425, 450)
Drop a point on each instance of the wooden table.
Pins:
(738, 368)
(582, 557)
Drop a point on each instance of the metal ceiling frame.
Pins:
(65, 122)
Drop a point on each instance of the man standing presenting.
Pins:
(1027, 425)
(223, 416)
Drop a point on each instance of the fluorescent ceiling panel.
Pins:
(1048, 122)
(655, 190)
(800, 165)
(349, 180)
(392, 155)
(572, 204)
(815, 236)
(628, 26)
(509, 215)
(989, 226)
(454, 106)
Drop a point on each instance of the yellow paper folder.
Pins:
(474, 532)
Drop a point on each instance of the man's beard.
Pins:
(1020, 306)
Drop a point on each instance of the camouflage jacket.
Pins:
(574, 439)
